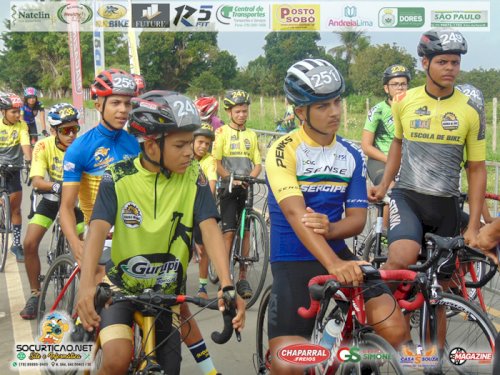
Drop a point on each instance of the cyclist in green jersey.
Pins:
(153, 228)
(379, 126)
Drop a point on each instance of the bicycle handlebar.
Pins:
(158, 298)
(370, 273)
(445, 245)
(248, 179)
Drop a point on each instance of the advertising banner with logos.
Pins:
(264, 16)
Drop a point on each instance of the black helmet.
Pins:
(312, 80)
(113, 82)
(439, 42)
(206, 130)
(62, 113)
(235, 97)
(394, 71)
(159, 112)
(475, 95)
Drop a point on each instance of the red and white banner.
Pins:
(75, 57)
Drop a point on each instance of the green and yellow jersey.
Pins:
(153, 217)
(435, 132)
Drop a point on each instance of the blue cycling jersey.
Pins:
(88, 157)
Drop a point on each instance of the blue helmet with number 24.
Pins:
(312, 80)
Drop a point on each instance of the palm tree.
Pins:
(351, 43)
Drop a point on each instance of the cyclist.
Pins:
(287, 124)
(313, 174)
(48, 157)
(14, 143)
(208, 107)
(31, 108)
(433, 125)
(379, 126)
(89, 155)
(153, 201)
(140, 82)
(236, 151)
(202, 145)
(477, 101)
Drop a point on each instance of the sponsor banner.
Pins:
(75, 56)
(263, 16)
(295, 17)
(237, 16)
(459, 18)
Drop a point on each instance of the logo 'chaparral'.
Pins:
(303, 354)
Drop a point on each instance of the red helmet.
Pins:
(114, 82)
(207, 106)
(140, 82)
(10, 100)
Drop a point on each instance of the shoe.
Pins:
(243, 289)
(202, 292)
(18, 251)
(30, 310)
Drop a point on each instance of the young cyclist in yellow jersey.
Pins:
(14, 143)
(202, 146)
(156, 230)
(434, 123)
(236, 150)
(317, 199)
(89, 155)
(48, 157)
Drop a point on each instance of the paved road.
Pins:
(232, 358)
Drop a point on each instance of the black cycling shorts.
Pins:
(375, 170)
(50, 209)
(13, 181)
(168, 354)
(413, 214)
(290, 291)
(231, 206)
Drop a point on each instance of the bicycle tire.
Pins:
(372, 342)
(54, 281)
(369, 250)
(468, 327)
(4, 229)
(265, 214)
(258, 258)
(62, 244)
(262, 365)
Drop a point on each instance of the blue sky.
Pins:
(484, 47)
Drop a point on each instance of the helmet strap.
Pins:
(308, 122)
(167, 173)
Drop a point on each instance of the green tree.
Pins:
(173, 60)
(367, 70)
(207, 83)
(352, 42)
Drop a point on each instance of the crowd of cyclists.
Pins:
(155, 161)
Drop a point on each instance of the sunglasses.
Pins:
(67, 131)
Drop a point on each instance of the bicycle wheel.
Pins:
(257, 261)
(369, 249)
(468, 329)
(265, 214)
(4, 228)
(212, 273)
(54, 281)
(377, 357)
(262, 359)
